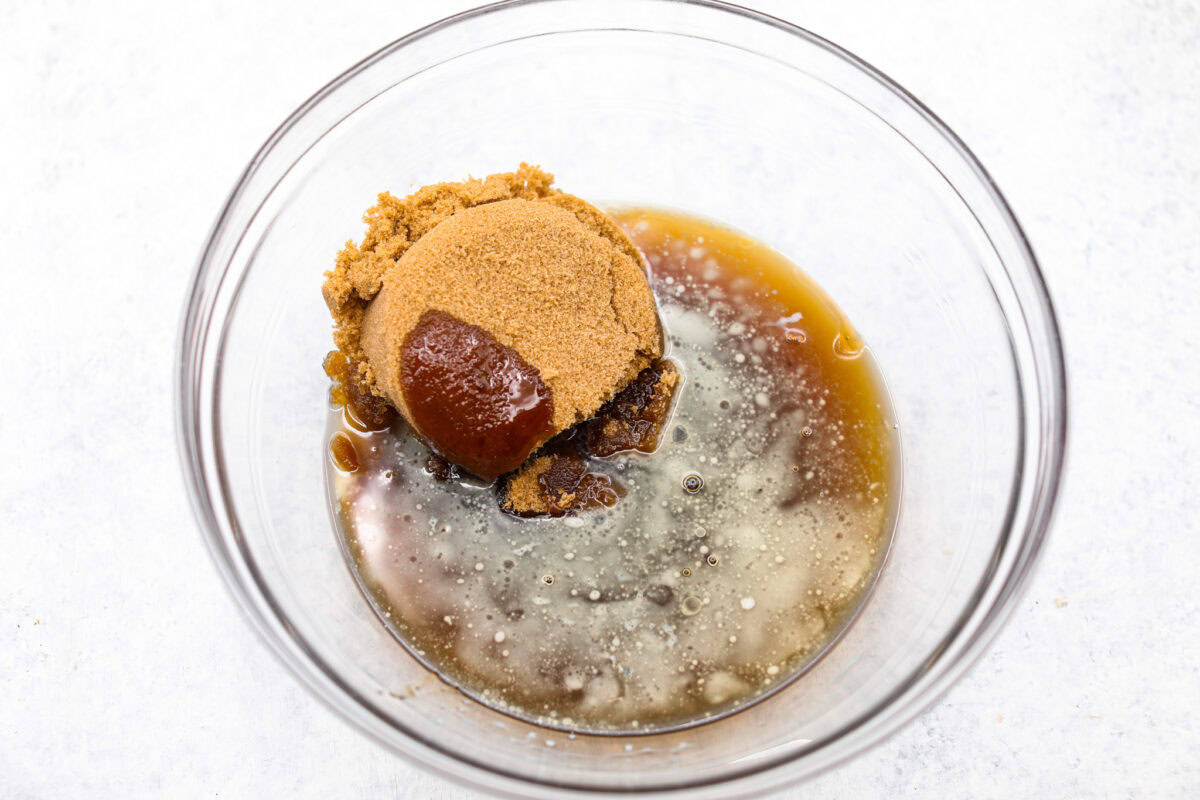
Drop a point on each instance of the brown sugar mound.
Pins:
(542, 272)
(541, 282)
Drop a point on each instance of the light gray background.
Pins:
(125, 670)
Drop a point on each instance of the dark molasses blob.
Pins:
(476, 401)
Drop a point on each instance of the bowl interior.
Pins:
(692, 108)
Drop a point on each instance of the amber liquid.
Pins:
(740, 549)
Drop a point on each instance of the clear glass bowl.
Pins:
(698, 106)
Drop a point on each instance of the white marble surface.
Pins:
(125, 670)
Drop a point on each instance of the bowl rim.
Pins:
(907, 700)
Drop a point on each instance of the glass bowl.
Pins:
(709, 109)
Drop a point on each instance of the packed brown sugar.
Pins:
(544, 292)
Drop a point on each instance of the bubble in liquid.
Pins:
(547, 579)
(690, 605)
(712, 560)
(847, 345)
(686, 572)
(795, 336)
(692, 483)
(807, 431)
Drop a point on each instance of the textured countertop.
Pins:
(126, 670)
